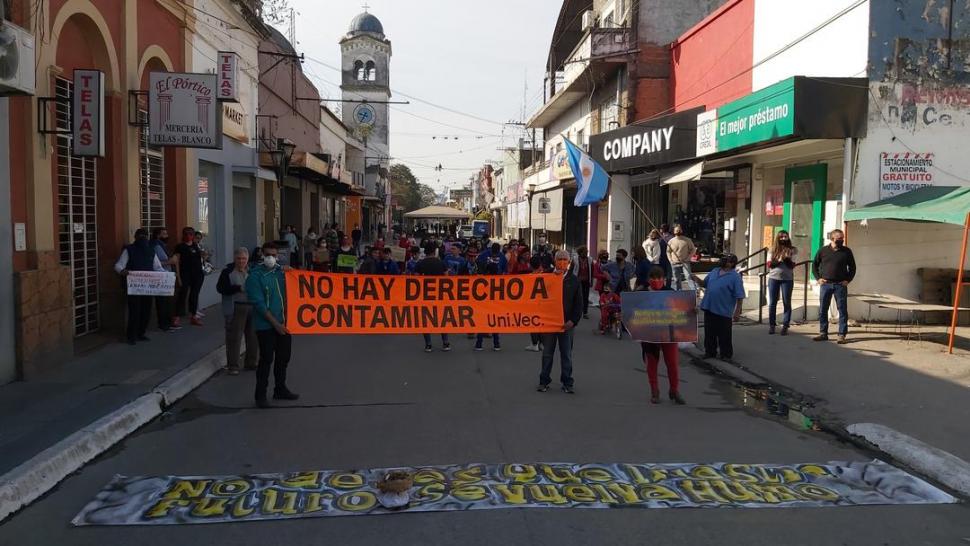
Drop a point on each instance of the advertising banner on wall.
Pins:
(794, 107)
(183, 110)
(181, 500)
(87, 120)
(903, 172)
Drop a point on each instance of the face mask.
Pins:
(619, 259)
(784, 242)
(839, 243)
(269, 262)
(657, 284)
(562, 265)
(604, 260)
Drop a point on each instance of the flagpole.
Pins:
(610, 178)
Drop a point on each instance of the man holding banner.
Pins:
(138, 256)
(266, 290)
(572, 305)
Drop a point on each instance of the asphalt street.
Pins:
(379, 401)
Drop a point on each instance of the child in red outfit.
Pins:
(656, 280)
(609, 303)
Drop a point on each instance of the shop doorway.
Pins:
(805, 189)
(77, 208)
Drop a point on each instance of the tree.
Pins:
(406, 189)
(427, 195)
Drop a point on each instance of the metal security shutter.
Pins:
(652, 198)
(77, 217)
(151, 177)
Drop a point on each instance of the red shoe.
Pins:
(196, 322)
(176, 321)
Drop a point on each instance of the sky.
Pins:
(472, 57)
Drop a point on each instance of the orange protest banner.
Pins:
(332, 303)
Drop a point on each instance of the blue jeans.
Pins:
(679, 273)
(784, 288)
(481, 337)
(841, 294)
(427, 339)
(565, 341)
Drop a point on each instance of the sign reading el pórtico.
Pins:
(183, 111)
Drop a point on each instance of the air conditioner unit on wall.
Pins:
(588, 20)
(16, 60)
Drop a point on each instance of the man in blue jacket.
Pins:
(266, 289)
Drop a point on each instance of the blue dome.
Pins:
(365, 22)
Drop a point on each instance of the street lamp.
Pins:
(281, 158)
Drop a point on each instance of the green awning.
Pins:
(943, 204)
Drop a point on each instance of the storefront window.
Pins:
(203, 193)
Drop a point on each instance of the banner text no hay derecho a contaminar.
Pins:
(332, 303)
(172, 500)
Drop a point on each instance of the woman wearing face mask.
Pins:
(781, 280)
(723, 295)
(657, 281)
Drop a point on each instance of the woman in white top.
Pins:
(652, 247)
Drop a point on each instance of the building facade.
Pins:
(74, 213)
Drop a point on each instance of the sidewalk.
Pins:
(37, 414)
(878, 377)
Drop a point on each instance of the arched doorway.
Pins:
(78, 181)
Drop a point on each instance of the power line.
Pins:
(412, 97)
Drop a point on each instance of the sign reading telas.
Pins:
(651, 142)
(87, 121)
(183, 111)
(228, 70)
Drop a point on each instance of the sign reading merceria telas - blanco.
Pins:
(183, 110)
(169, 500)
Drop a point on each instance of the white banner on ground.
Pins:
(172, 500)
(151, 283)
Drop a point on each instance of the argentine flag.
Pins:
(591, 179)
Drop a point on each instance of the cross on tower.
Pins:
(366, 6)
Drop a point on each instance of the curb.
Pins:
(174, 388)
(735, 372)
(941, 466)
(42, 472)
(938, 465)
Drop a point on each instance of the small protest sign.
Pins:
(151, 283)
(346, 260)
(663, 316)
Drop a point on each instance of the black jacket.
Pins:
(572, 299)
(224, 286)
(834, 265)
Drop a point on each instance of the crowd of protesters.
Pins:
(253, 289)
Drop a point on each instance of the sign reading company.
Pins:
(764, 115)
(228, 69)
(651, 142)
(87, 122)
(183, 110)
